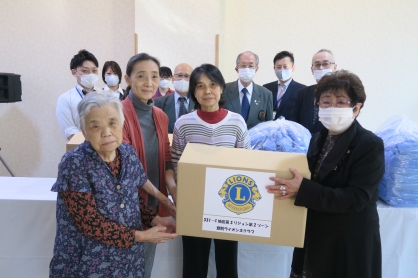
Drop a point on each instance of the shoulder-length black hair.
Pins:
(115, 67)
(211, 72)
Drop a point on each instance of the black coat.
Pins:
(342, 228)
(303, 109)
(286, 104)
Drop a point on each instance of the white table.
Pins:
(27, 217)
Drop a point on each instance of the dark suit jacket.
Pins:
(342, 230)
(166, 103)
(286, 104)
(261, 105)
(303, 109)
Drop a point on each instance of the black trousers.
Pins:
(196, 257)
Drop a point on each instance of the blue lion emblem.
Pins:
(239, 194)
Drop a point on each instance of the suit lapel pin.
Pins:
(257, 102)
(262, 115)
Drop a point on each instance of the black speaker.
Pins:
(10, 87)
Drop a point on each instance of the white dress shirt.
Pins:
(241, 94)
(66, 112)
(177, 103)
(116, 93)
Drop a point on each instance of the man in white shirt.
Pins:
(84, 67)
(177, 104)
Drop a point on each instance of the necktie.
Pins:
(245, 105)
(282, 88)
(315, 114)
(182, 110)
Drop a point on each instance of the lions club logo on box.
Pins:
(239, 194)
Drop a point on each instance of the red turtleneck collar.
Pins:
(212, 117)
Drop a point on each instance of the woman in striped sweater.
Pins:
(211, 125)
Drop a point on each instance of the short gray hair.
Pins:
(97, 100)
(325, 50)
(257, 60)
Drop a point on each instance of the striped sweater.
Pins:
(230, 132)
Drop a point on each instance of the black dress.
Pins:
(342, 231)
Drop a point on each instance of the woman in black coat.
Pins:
(347, 163)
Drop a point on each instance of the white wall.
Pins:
(38, 40)
(178, 31)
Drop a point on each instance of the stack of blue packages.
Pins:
(399, 186)
(280, 136)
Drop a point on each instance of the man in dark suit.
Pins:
(253, 102)
(284, 90)
(305, 110)
(178, 103)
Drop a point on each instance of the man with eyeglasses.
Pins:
(177, 104)
(305, 110)
(285, 88)
(253, 102)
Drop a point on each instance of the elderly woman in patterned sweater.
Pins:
(99, 211)
(210, 125)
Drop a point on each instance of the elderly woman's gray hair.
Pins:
(98, 100)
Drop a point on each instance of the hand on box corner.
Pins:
(286, 188)
(166, 222)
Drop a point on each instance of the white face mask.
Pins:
(284, 75)
(318, 74)
(336, 119)
(88, 80)
(164, 84)
(181, 86)
(112, 80)
(246, 74)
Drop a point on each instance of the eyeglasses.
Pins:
(181, 76)
(243, 66)
(339, 104)
(324, 65)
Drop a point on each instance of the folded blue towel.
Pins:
(399, 186)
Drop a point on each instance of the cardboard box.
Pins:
(200, 212)
(77, 139)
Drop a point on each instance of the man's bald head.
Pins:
(183, 68)
(181, 78)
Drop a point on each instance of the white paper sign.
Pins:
(237, 202)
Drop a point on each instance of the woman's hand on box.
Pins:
(286, 188)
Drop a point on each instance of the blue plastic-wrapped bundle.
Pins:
(399, 186)
(280, 136)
